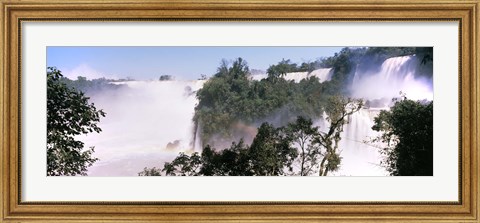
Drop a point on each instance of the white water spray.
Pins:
(147, 123)
(397, 74)
(150, 122)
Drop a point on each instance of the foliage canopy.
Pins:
(68, 114)
(407, 133)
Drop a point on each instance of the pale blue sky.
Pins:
(143, 63)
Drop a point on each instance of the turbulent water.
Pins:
(397, 74)
(147, 123)
(360, 157)
(150, 122)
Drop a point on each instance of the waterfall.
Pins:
(323, 74)
(197, 142)
(397, 74)
(147, 123)
(295, 76)
(359, 157)
(150, 122)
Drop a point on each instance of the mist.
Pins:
(397, 74)
(149, 122)
(396, 77)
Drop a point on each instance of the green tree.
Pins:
(281, 69)
(150, 172)
(165, 78)
(183, 165)
(271, 153)
(338, 111)
(68, 114)
(210, 161)
(230, 97)
(303, 134)
(318, 150)
(233, 161)
(407, 135)
(203, 77)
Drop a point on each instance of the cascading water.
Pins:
(397, 74)
(197, 144)
(129, 141)
(295, 76)
(360, 157)
(324, 74)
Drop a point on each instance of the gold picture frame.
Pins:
(14, 12)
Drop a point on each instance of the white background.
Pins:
(443, 186)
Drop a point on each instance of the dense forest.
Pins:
(231, 97)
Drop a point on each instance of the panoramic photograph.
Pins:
(239, 111)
